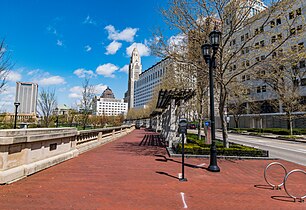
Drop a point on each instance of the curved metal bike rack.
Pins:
(300, 199)
(275, 187)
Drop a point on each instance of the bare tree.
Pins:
(88, 94)
(235, 19)
(46, 105)
(283, 76)
(5, 64)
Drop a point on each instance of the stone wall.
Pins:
(26, 151)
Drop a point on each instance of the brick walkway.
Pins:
(128, 175)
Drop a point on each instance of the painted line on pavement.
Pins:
(200, 165)
(183, 199)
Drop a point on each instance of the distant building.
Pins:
(62, 110)
(135, 69)
(147, 82)
(107, 105)
(26, 95)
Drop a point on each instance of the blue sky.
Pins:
(55, 43)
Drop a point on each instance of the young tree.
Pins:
(283, 75)
(46, 105)
(88, 94)
(5, 64)
(235, 19)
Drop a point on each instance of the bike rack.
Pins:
(300, 199)
(278, 187)
(275, 187)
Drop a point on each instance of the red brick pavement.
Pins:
(124, 175)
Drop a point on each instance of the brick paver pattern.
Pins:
(133, 174)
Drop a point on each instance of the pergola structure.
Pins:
(170, 108)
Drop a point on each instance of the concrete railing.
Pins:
(26, 151)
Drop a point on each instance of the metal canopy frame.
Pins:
(165, 96)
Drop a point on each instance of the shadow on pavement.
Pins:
(165, 159)
(263, 186)
(283, 198)
(164, 173)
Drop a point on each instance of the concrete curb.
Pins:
(172, 154)
(271, 137)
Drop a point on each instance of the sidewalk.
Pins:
(133, 174)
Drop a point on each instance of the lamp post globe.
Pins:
(215, 38)
(206, 48)
(16, 108)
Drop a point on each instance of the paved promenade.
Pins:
(133, 174)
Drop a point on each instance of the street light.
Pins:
(16, 108)
(210, 59)
(56, 121)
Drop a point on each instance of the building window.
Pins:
(273, 54)
(262, 43)
(273, 39)
(299, 29)
(258, 89)
(263, 57)
(292, 31)
(242, 38)
(301, 46)
(303, 82)
(279, 36)
(272, 24)
(302, 64)
(264, 88)
(291, 15)
(299, 11)
(278, 21)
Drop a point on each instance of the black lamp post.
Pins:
(16, 108)
(210, 59)
(56, 121)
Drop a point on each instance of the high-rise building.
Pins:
(107, 105)
(135, 69)
(26, 95)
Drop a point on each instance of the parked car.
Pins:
(137, 125)
(192, 126)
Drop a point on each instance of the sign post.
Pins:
(183, 131)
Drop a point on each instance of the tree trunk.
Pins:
(224, 130)
(199, 128)
(222, 117)
(290, 123)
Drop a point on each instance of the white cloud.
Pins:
(125, 69)
(113, 47)
(126, 35)
(75, 95)
(53, 80)
(3, 50)
(177, 43)
(107, 70)
(7, 98)
(99, 88)
(13, 76)
(52, 30)
(142, 49)
(82, 73)
(59, 43)
(32, 72)
(87, 48)
(75, 92)
(89, 20)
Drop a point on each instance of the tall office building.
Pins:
(26, 95)
(135, 69)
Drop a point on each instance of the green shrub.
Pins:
(234, 150)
